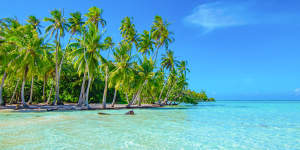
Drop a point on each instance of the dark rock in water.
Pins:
(130, 113)
(100, 113)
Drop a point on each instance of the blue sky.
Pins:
(241, 50)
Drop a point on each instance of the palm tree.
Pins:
(161, 34)
(58, 27)
(87, 56)
(48, 68)
(95, 16)
(75, 23)
(123, 72)
(106, 64)
(145, 72)
(168, 62)
(146, 43)
(30, 50)
(183, 67)
(7, 49)
(129, 32)
(35, 23)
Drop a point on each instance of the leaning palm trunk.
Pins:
(50, 94)
(2, 102)
(114, 100)
(15, 91)
(44, 86)
(105, 89)
(132, 100)
(161, 92)
(22, 89)
(87, 91)
(156, 53)
(137, 97)
(168, 92)
(139, 94)
(31, 90)
(81, 96)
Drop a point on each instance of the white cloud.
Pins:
(226, 13)
(297, 91)
(218, 14)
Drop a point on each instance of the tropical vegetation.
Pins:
(74, 60)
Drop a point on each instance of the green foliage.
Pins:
(132, 69)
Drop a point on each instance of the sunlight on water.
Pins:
(220, 125)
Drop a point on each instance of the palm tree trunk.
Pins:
(165, 83)
(168, 92)
(31, 90)
(87, 92)
(156, 53)
(139, 94)
(132, 100)
(114, 100)
(50, 94)
(56, 71)
(81, 96)
(105, 89)
(22, 89)
(139, 100)
(15, 91)
(2, 102)
(127, 97)
(44, 86)
(161, 92)
(59, 72)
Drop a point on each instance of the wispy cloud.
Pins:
(228, 13)
(297, 91)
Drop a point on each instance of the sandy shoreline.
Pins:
(71, 107)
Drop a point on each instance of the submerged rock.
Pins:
(131, 112)
(100, 113)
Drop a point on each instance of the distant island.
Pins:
(73, 60)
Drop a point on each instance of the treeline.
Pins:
(73, 60)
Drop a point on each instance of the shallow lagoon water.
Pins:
(220, 125)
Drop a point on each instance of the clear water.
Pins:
(220, 125)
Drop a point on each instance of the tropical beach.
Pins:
(162, 75)
(130, 72)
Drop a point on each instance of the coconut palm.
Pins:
(7, 49)
(87, 56)
(160, 34)
(123, 72)
(57, 27)
(106, 64)
(146, 43)
(75, 23)
(95, 16)
(30, 50)
(35, 23)
(145, 72)
(129, 32)
(168, 62)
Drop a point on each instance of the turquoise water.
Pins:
(221, 125)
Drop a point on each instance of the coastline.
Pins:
(72, 107)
